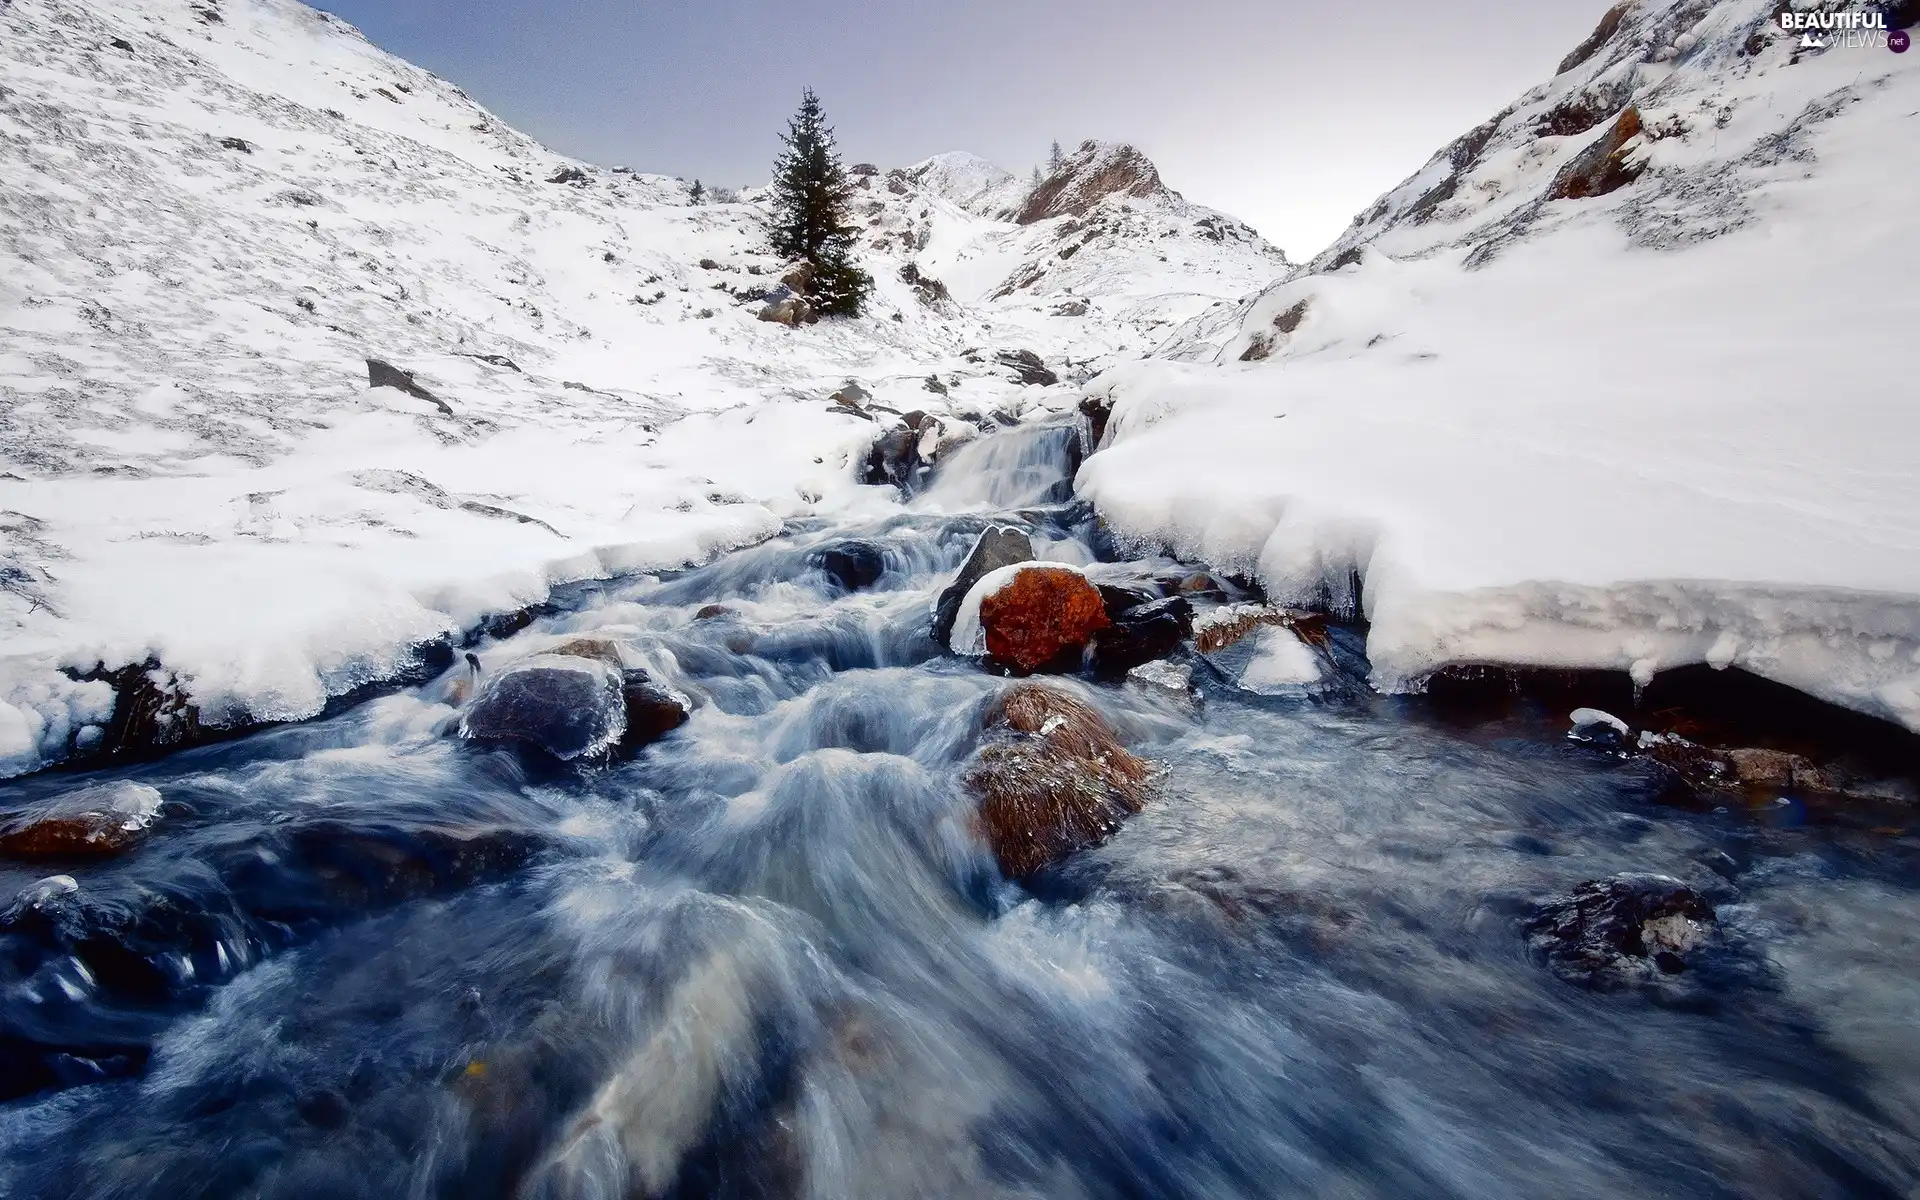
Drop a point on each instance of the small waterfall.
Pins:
(1016, 469)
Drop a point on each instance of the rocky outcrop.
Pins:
(894, 458)
(1087, 176)
(1621, 931)
(1026, 368)
(999, 547)
(1052, 779)
(786, 309)
(1608, 165)
(92, 822)
(384, 374)
(1041, 618)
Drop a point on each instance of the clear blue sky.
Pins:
(1292, 116)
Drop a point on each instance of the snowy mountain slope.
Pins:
(213, 212)
(1607, 383)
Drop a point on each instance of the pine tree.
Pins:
(1036, 175)
(1055, 157)
(697, 194)
(811, 195)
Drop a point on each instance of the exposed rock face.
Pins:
(1089, 175)
(1027, 368)
(385, 374)
(1620, 931)
(1052, 779)
(1042, 618)
(1001, 546)
(1606, 166)
(852, 564)
(1227, 626)
(89, 823)
(567, 706)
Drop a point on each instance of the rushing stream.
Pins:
(768, 957)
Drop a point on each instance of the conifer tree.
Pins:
(1055, 157)
(811, 195)
(697, 194)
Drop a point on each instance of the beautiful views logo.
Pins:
(1821, 30)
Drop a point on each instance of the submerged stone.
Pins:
(91, 822)
(568, 707)
(1052, 779)
(1619, 931)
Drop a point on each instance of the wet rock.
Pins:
(653, 709)
(1620, 931)
(1228, 625)
(1608, 165)
(384, 374)
(998, 547)
(91, 822)
(1744, 773)
(1163, 676)
(894, 458)
(851, 564)
(1052, 779)
(1141, 634)
(1027, 368)
(713, 612)
(1041, 618)
(566, 706)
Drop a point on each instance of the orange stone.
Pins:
(1041, 615)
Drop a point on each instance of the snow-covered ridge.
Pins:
(212, 213)
(1605, 384)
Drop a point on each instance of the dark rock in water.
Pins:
(92, 822)
(1027, 368)
(1042, 619)
(653, 711)
(1000, 546)
(1619, 931)
(568, 707)
(713, 612)
(385, 374)
(894, 459)
(1141, 634)
(1052, 779)
(1120, 600)
(851, 564)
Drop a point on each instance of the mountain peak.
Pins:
(1089, 175)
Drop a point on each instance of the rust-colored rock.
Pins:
(1053, 779)
(1606, 166)
(1042, 618)
(94, 822)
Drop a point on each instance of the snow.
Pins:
(1280, 661)
(194, 471)
(1585, 718)
(1659, 427)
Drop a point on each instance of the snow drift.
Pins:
(1573, 398)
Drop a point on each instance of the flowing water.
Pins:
(767, 957)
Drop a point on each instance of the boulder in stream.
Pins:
(90, 822)
(1052, 778)
(1140, 634)
(853, 564)
(998, 547)
(1031, 617)
(568, 706)
(1620, 931)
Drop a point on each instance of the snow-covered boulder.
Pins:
(1031, 616)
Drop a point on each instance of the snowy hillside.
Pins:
(1613, 381)
(212, 213)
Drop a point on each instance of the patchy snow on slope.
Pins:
(207, 226)
(1657, 424)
